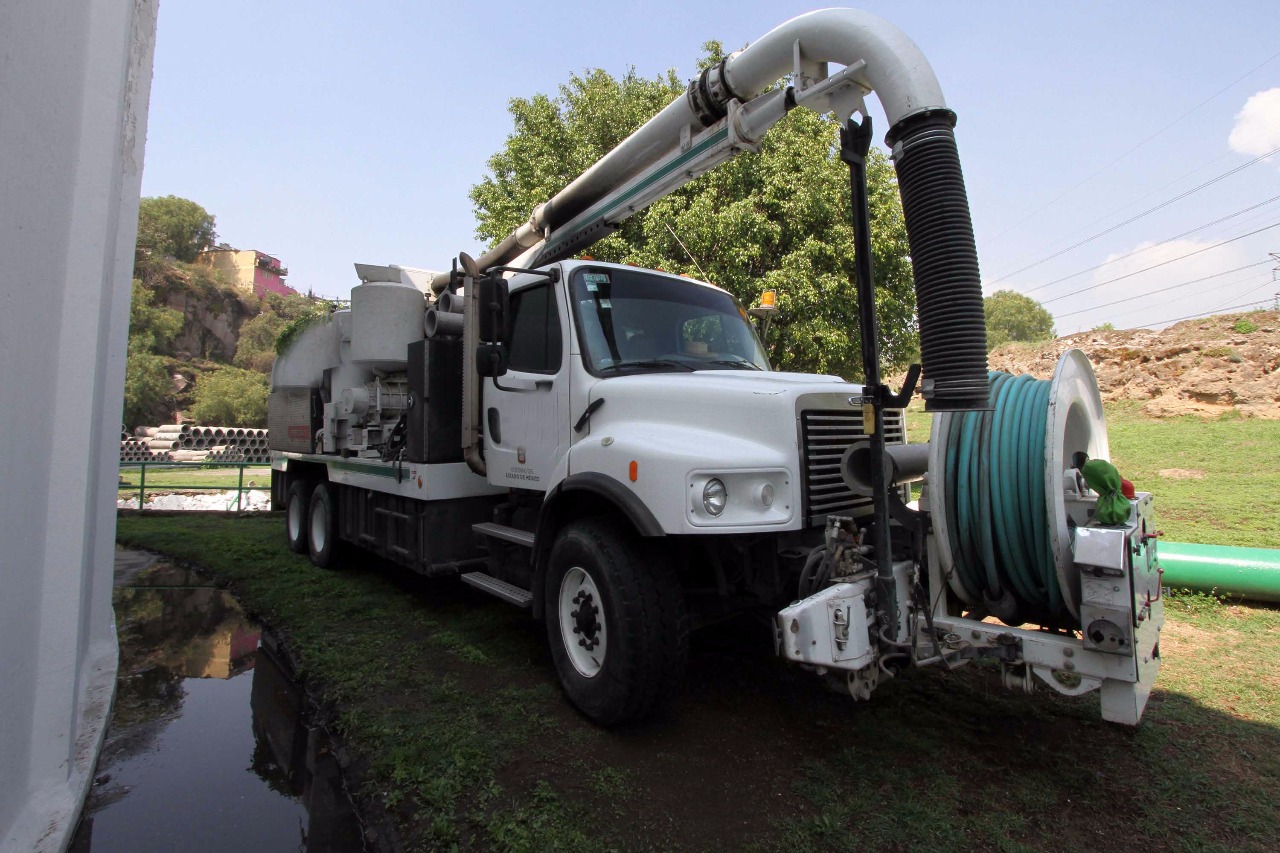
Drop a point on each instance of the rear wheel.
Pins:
(296, 507)
(322, 526)
(616, 621)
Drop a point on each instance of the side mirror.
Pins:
(495, 309)
(491, 359)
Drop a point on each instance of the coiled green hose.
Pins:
(997, 518)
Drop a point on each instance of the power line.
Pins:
(1138, 216)
(1157, 266)
(1205, 313)
(1154, 245)
(1161, 290)
(1095, 174)
(1246, 293)
(1248, 278)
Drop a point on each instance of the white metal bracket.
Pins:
(1067, 683)
(842, 93)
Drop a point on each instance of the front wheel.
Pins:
(322, 527)
(616, 621)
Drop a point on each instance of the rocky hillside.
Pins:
(212, 313)
(1211, 366)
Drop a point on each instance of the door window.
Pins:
(535, 330)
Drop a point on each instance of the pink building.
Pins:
(249, 270)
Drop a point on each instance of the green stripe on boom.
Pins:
(697, 150)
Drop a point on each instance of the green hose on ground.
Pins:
(1252, 573)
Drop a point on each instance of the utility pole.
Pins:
(1275, 276)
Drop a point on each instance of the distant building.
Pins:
(249, 270)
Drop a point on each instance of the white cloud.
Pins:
(1257, 127)
(1155, 303)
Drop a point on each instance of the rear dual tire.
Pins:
(311, 521)
(297, 507)
(322, 526)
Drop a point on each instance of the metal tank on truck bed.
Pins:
(609, 446)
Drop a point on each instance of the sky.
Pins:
(1115, 153)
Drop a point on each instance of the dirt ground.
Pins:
(759, 754)
(1213, 366)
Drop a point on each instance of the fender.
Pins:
(589, 483)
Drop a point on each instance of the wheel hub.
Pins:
(585, 623)
(583, 629)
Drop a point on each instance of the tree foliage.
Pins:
(152, 327)
(256, 347)
(777, 220)
(174, 226)
(1014, 317)
(231, 396)
(147, 383)
(147, 386)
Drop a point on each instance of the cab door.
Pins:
(525, 420)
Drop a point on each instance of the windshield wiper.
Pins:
(649, 362)
(743, 364)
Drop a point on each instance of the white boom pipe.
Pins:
(895, 70)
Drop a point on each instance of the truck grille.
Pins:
(824, 437)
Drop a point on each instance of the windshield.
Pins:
(632, 321)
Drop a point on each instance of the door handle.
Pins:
(522, 383)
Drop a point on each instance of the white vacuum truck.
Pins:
(610, 447)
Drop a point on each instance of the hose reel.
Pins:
(998, 496)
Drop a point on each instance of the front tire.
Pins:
(616, 621)
(296, 508)
(322, 526)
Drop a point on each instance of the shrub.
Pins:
(230, 396)
(146, 387)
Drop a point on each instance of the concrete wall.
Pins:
(75, 77)
(235, 265)
(239, 268)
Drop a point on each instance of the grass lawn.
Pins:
(192, 476)
(448, 703)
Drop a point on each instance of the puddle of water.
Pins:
(210, 746)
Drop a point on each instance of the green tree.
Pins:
(230, 396)
(174, 226)
(152, 328)
(147, 383)
(256, 347)
(1014, 317)
(777, 220)
(147, 387)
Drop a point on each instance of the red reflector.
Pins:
(635, 470)
(300, 433)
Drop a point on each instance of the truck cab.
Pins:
(655, 392)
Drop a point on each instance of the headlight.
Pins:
(714, 497)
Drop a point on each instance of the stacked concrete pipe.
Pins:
(196, 443)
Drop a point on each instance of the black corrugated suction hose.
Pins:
(953, 332)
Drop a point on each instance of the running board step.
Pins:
(514, 535)
(507, 592)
